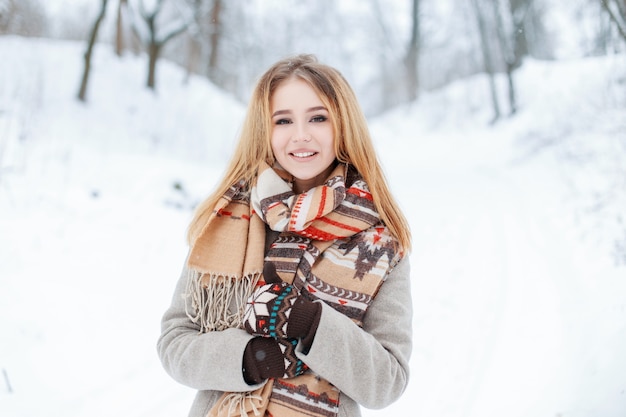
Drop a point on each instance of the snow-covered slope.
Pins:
(519, 308)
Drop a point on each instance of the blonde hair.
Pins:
(353, 143)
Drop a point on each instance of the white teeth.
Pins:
(303, 154)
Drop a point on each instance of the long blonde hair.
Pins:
(353, 143)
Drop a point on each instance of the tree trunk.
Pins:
(519, 10)
(215, 38)
(193, 41)
(487, 58)
(82, 92)
(506, 41)
(155, 42)
(193, 57)
(153, 55)
(411, 61)
(119, 29)
(388, 88)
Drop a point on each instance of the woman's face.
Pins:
(302, 134)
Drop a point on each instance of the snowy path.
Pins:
(513, 315)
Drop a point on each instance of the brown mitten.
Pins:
(271, 358)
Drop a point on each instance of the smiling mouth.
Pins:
(303, 154)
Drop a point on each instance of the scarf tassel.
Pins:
(243, 404)
(212, 297)
(235, 402)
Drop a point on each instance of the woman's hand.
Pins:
(271, 358)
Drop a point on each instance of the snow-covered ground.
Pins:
(520, 308)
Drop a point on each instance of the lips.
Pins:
(303, 154)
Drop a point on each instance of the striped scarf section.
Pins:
(331, 246)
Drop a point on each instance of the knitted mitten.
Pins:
(276, 309)
(271, 358)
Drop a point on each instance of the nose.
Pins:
(301, 133)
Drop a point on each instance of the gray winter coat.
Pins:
(369, 365)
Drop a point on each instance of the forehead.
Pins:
(294, 92)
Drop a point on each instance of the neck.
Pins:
(302, 186)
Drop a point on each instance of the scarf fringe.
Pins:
(235, 403)
(212, 296)
(243, 404)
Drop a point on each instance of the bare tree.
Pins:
(119, 27)
(411, 60)
(22, 17)
(154, 36)
(82, 92)
(616, 9)
(508, 42)
(216, 35)
(488, 59)
(504, 43)
(193, 41)
(519, 10)
(389, 90)
(205, 36)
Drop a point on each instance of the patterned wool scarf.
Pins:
(332, 246)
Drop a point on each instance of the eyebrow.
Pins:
(312, 109)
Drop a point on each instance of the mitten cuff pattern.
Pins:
(268, 310)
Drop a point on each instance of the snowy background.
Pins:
(518, 280)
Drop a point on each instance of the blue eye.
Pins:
(282, 121)
(319, 119)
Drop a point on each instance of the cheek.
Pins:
(275, 142)
(278, 146)
(329, 139)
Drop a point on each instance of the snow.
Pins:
(519, 305)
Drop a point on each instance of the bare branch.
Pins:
(617, 20)
(174, 32)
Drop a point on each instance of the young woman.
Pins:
(295, 297)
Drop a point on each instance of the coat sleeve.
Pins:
(204, 361)
(369, 364)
